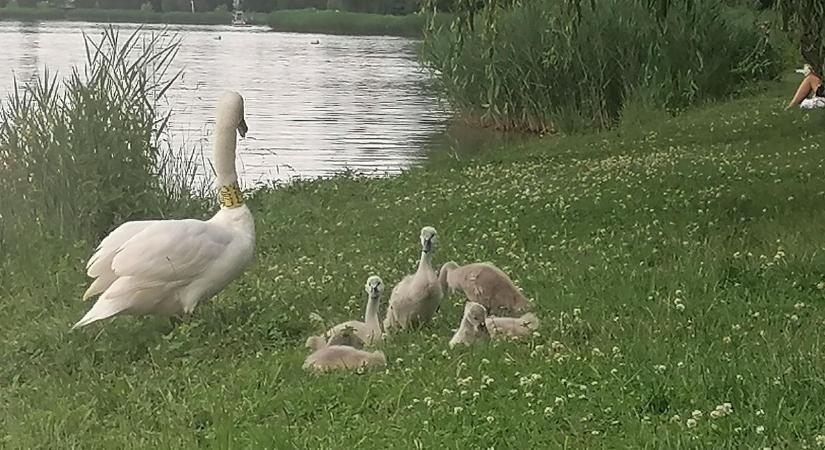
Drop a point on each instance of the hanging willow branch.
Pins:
(804, 21)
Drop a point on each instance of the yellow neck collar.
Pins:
(230, 196)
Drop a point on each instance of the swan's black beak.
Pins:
(428, 246)
(242, 128)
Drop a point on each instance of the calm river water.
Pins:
(315, 104)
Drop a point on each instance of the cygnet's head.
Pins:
(475, 314)
(374, 286)
(316, 342)
(230, 112)
(428, 239)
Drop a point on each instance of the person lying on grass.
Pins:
(812, 83)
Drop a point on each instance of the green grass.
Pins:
(349, 23)
(125, 15)
(720, 208)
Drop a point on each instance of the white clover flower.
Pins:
(458, 410)
(696, 414)
(464, 381)
(760, 429)
(559, 400)
(490, 419)
(820, 440)
(691, 423)
(680, 307)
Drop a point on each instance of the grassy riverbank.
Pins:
(677, 265)
(350, 23)
(125, 15)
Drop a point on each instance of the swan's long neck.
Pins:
(227, 178)
(426, 261)
(442, 279)
(371, 315)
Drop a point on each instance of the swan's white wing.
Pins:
(100, 264)
(172, 251)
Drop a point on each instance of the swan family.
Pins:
(169, 267)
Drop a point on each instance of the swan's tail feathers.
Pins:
(99, 285)
(102, 309)
(530, 321)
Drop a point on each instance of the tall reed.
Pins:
(540, 66)
(81, 155)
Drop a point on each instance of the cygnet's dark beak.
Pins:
(242, 128)
(428, 245)
(373, 291)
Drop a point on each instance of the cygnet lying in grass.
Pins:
(473, 326)
(345, 336)
(342, 357)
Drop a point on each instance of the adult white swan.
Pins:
(167, 267)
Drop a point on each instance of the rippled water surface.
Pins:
(315, 104)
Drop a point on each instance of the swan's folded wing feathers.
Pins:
(171, 250)
(101, 261)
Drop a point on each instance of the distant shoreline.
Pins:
(126, 15)
(350, 23)
(294, 21)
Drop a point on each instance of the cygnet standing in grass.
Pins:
(473, 325)
(369, 331)
(483, 283)
(417, 297)
(512, 327)
(342, 357)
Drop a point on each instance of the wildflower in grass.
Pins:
(820, 285)
(799, 306)
(660, 368)
(820, 440)
(559, 400)
(548, 411)
(760, 412)
(675, 419)
(696, 414)
(794, 318)
(680, 307)
(458, 410)
(464, 381)
(760, 429)
(691, 423)
(596, 352)
(491, 419)
(726, 339)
